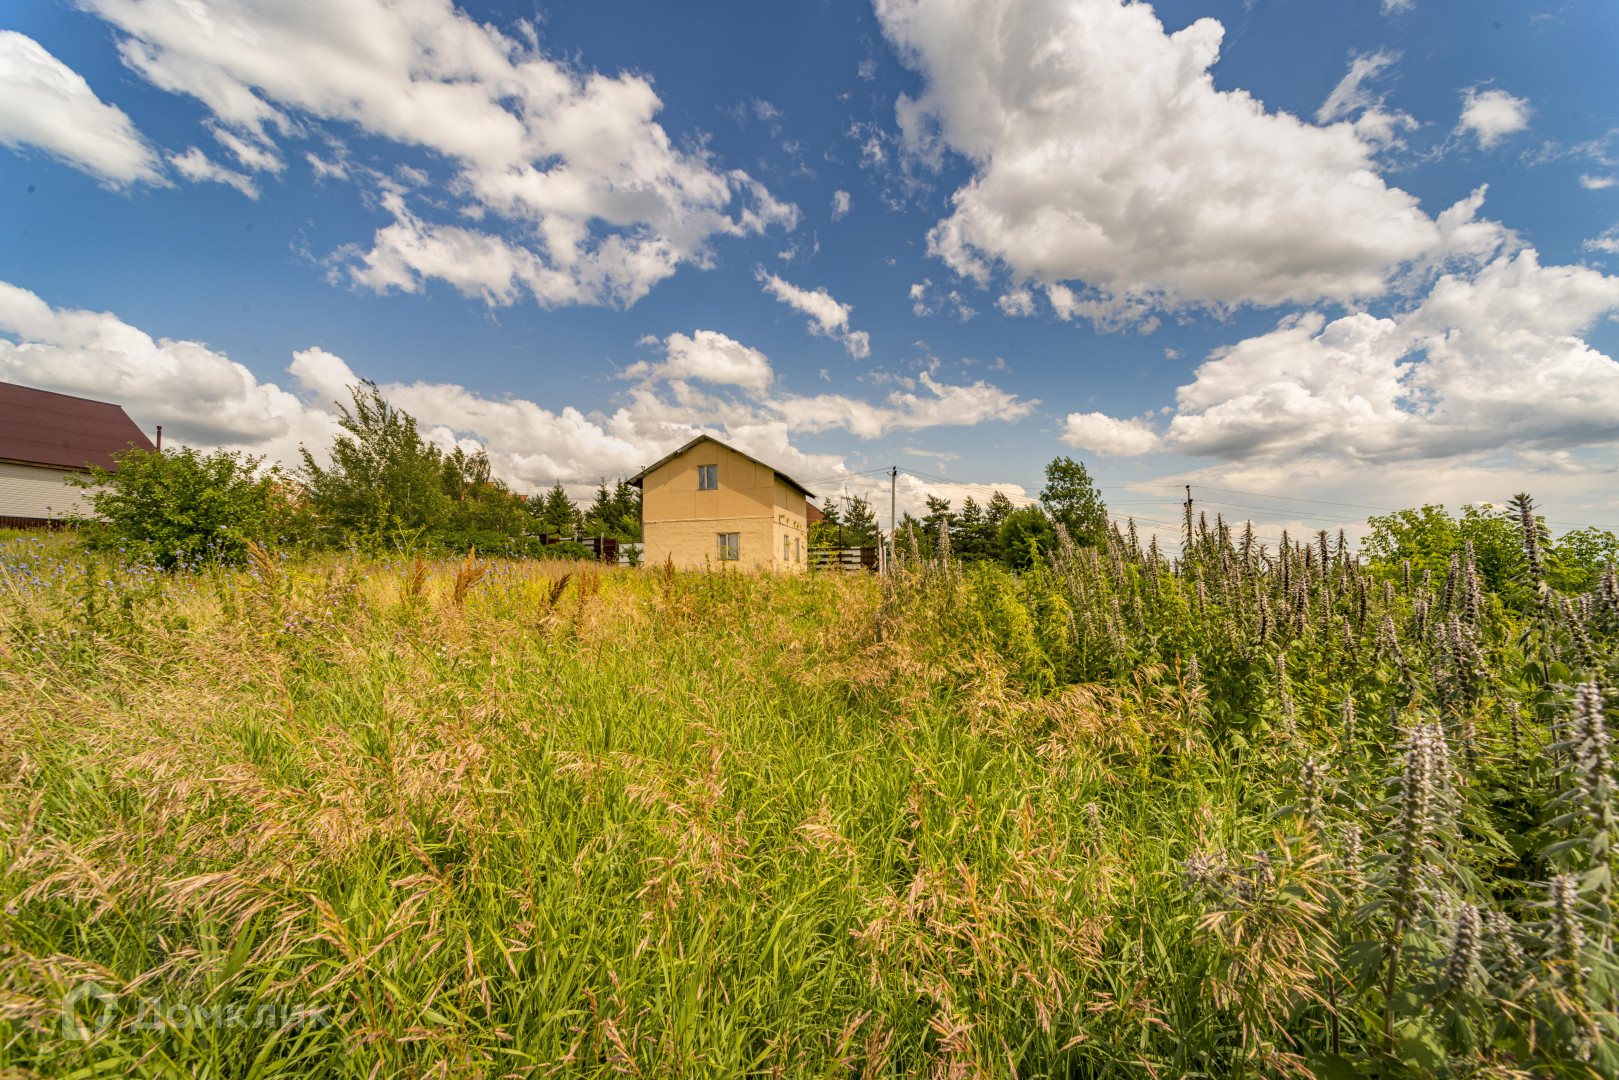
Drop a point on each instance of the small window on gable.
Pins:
(730, 545)
(708, 477)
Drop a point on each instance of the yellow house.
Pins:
(708, 504)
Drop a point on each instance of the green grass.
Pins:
(344, 817)
(707, 825)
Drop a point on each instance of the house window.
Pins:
(786, 550)
(708, 478)
(730, 544)
(798, 554)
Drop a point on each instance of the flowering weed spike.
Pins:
(1466, 949)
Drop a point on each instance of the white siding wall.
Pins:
(26, 490)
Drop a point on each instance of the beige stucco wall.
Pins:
(680, 522)
(26, 491)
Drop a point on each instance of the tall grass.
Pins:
(372, 818)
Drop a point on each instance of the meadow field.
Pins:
(1241, 814)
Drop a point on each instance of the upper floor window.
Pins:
(708, 477)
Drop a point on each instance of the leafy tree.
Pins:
(860, 527)
(465, 475)
(384, 479)
(181, 507)
(1497, 546)
(1425, 537)
(1429, 536)
(484, 512)
(1070, 497)
(1579, 557)
(1025, 535)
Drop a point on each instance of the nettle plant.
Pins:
(1438, 896)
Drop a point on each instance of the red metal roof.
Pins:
(41, 428)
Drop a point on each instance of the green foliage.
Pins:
(1436, 898)
(615, 513)
(557, 514)
(1579, 557)
(974, 537)
(483, 513)
(937, 517)
(860, 525)
(826, 533)
(1430, 537)
(385, 482)
(1025, 537)
(1071, 499)
(1238, 812)
(183, 508)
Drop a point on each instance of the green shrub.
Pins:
(183, 508)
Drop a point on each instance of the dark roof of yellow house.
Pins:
(667, 458)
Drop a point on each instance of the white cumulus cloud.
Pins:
(841, 202)
(1103, 154)
(197, 166)
(203, 398)
(199, 395)
(1492, 115)
(1107, 435)
(1491, 364)
(582, 195)
(828, 318)
(711, 357)
(46, 104)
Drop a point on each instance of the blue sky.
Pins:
(1356, 253)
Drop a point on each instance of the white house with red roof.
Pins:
(47, 437)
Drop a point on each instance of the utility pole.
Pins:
(1186, 548)
(893, 480)
(893, 523)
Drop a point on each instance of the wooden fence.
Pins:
(849, 560)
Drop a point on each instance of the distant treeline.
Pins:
(385, 488)
(995, 531)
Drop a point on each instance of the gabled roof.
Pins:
(667, 458)
(38, 427)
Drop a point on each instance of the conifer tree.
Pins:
(828, 532)
(558, 515)
(860, 527)
(968, 536)
(938, 514)
(996, 512)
